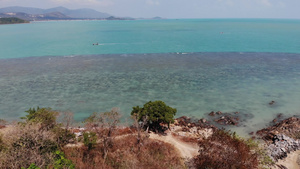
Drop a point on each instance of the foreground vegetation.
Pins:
(225, 150)
(12, 20)
(39, 141)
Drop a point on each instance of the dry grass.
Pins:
(224, 150)
(125, 154)
(186, 139)
(23, 145)
(124, 131)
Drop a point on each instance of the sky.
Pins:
(176, 8)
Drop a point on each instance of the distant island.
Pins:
(12, 20)
(58, 13)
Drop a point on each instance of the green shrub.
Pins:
(89, 139)
(2, 146)
(32, 166)
(44, 116)
(62, 162)
(62, 136)
(3, 122)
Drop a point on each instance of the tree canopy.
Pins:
(12, 20)
(155, 112)
(45, 116)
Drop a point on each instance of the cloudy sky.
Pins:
(176, 8)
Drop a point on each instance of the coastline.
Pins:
(185, 134)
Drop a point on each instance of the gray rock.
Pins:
(281, 146)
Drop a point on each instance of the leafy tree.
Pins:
(155, 112)
(45, 116)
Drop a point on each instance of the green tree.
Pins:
(155, 112)
(45, 116)
(47, 119)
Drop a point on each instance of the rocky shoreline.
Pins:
(279, 139)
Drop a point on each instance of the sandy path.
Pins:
(291, 161)
(187, 150)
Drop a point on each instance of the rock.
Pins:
(218, 112)
(202, 121)
(281, 138)
(281, 146)
(272, 102)
(212, 113)
(205, 133)
(183, 121)
(176, 122)
(227, 120)
(194, 130)
(176, 128)
(289, 127)
(185, 129)
(234, 119)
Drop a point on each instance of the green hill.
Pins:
(12, 20)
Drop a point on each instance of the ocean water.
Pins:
(196, 66)
(65, 38)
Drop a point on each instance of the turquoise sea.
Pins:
(196, 66)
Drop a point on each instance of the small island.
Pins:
(12, 20)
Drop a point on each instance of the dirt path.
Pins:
(187, 150)
(291, 161)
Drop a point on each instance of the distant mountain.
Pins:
(83, 13)
(18, 9)
(79, 13)
(29, 17)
